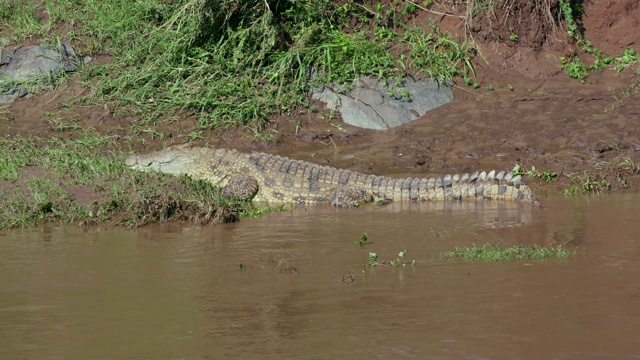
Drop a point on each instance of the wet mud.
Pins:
(165, 291)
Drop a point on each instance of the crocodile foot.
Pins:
(241, 187)
(349, 196)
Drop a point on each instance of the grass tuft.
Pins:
(490, 252)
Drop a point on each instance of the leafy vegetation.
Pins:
(546, 175)
(574, 66)
(374, 261)
(363, 240)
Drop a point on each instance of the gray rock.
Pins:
(373, 104)
(33, 68)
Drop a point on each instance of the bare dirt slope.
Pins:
(534, 114)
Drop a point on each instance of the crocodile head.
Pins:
(173, 160)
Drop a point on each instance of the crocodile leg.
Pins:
(241, 187)
(349, 196)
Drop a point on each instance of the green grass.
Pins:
(53, 180)
(438, 55)
(237, 63)
(231, 63)
(490, 252)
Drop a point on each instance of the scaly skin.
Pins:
(275, 179)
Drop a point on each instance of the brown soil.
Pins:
(535, 115)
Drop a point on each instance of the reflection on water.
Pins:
(489, 213)
(175, 291)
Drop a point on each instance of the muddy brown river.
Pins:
(178, 292)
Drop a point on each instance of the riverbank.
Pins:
(532, 94)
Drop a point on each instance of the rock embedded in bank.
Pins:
(28, 69)
(374, 104)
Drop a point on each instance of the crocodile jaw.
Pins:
(171, 162)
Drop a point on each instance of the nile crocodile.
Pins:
(276, 179)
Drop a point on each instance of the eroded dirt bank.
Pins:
(534, 113)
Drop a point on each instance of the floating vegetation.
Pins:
(398, 262)
(491, 252)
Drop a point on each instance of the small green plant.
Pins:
(405, 95)
(363, 240)
(489, 87)
(513, 36)
(574, 68)
(571, 191)
(546, 175)
(409, 9)
(61, 125)
(374, 260)
(337, 126)
(195, 135)
(568, 9)
(251, 210)
(298, 126)
(628, 57)
(626, 164)
(380, 201)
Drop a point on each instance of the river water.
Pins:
(175, 291)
